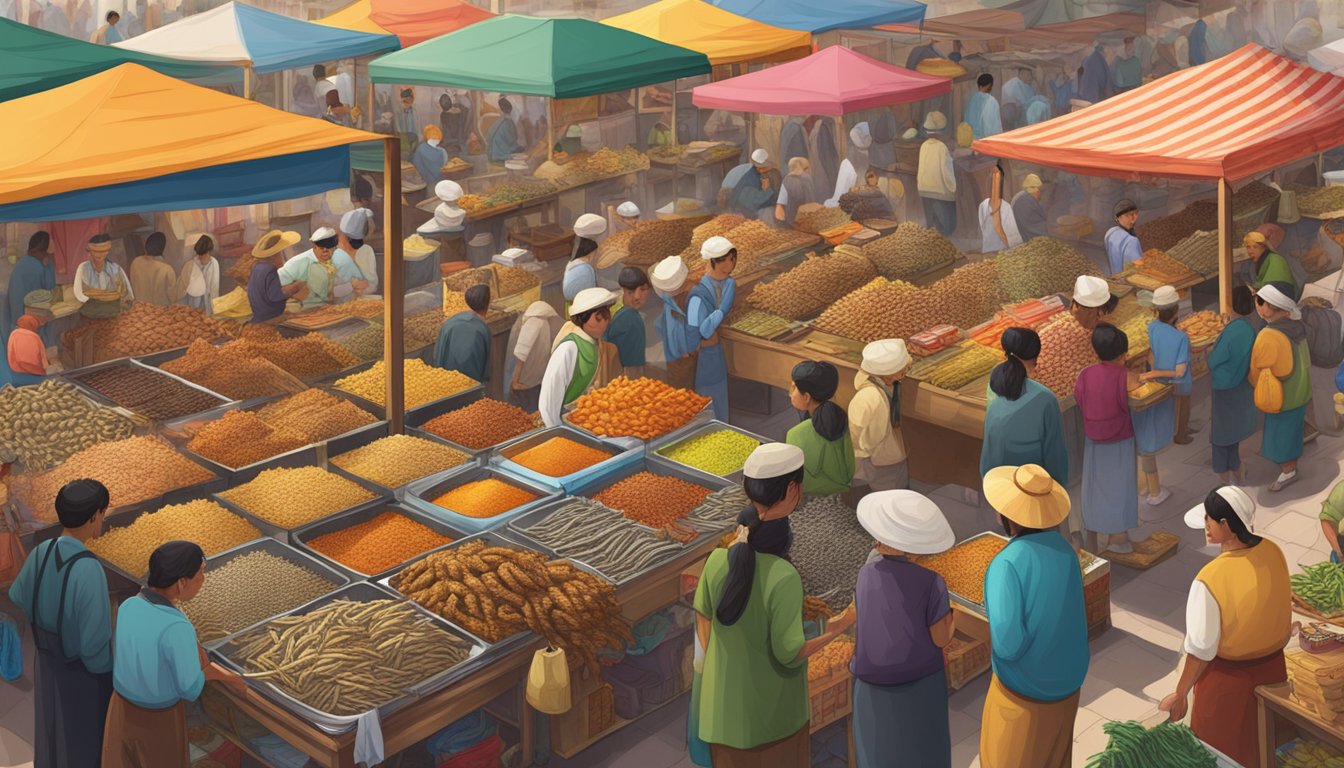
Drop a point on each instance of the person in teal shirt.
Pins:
(1023, 423)
(823, 434)
(159, 665)
(1232, 412)
(62, 592)
(464, 340)
(626, 331)
(502, 140)
(34, 271)
(749, 697)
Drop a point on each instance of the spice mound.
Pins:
(722, 452)
(559, 457)
(289, 498)
(206, 523)
(482, 424)
(485, 498)
(963, 566)
(303, 357)
(424, 383)
(44, 425)
(149, 393)
(833, 657)
(249, 589)
(377, 545)
(231, 372)
(642, 408)
(658, 501)
(399, 459)
(241, 438)
(148, 328)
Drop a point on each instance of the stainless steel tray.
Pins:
(421, 494)
(301, 537)
(503, 455)
(659, 466)
(474, 458)
(125, 520)
(72, 376)
(675, 439)
(430, 409)
(285, 535)
(519, 526)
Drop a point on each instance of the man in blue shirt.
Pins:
(1122, 244)
(62, 591)
(626, 331)
(34, 271)
(711, 301)
(464, 340)
(265, 294)
(502, 140)
(983, 111)
(1037, 626)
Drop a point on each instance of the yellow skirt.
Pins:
(1016, 732)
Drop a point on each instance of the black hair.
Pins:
(505, 105)
(1109, 342)
(112, 15)
(174, 561)
(445, 102)
(40, 241)
(155, 243)
(632, 278)
(100, 238)
(327, 242)
(1022, 530)
(478, 297)
(1243, 300)
(819, 381)
(1112, 302)
(204, 245)
(79, 500)
(355, 242)
(362, 189)
(731, 254)
(768, 537)
(1168, 314)
(1217, 509)
(333, 98)
(319, 71)
(586, 246)
(985, 80)
(582, 318)
(1009, 378)
(407, 93)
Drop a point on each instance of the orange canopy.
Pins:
(412, 21)
(723, 36)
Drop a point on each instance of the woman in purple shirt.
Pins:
(1110, 464)
(904, 622)
(265, 294)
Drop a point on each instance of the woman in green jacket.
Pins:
(1267, 266)
(824, 432)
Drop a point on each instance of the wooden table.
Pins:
(1283, 718)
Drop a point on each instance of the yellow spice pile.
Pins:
(206, 523)
(424, 383)
(290, 498)
(397, 460)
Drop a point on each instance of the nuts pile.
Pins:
(399, 459)
(559, 457)
(497, 592)
(148, 328)
(658, 501)
(829, 547)
(290, 498)
(380, 544)
(206, 523)
(134, 469)
(963, 566)
(1198, 252)
(813, 285)
(424, 383)
(643, 408)
(421, 330)
(652, 241)
(485, 498)
(45, 424)
(1163, 233)
(910, 251)
(878, 310)
(1202, 327)
(864, 202)
(601, 164)
(230, 372)
(482, 424)
(1318, 201)
(1066, 349)
(315, 415)
(1039, 267)
(304, 357)
(757, 241)
(249, 589)
(503, 280)
(148, 393)
(832, 658)
(718, 226)
(818, 220)
(721, 452)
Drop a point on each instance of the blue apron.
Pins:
(711, 370)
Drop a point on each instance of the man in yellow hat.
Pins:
(1037, 626)
(1268, 266)
(264, 292)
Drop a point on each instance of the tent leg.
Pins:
(247, 82)
(550, 128)
(1224, 246)
(394, 288)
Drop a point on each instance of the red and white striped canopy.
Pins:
(1235, 117)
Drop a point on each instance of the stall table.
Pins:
(1282, 718)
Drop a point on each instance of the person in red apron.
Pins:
(1238, 620)
(62, 590)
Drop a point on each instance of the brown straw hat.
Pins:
(1027, 495)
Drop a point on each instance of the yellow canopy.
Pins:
(723, 36)
(356, 18)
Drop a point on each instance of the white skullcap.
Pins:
(1091, 292)
(860, 136)
(590, 225)
(907, 521)
(1166, 296)
(591, 298)
(354, 223)
(773, 460)
(1276, 298)
(627, 209)
(760, 157)
(715, 248)
(1240, 502)
(885, 357)
(448, 191)
(323, 233)
(669, 274)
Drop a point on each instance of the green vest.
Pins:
(1297, 387)
(585, 368)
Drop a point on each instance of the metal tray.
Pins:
(503, 456)
(415, 423)
(703, 415)
(285, 535)
(474, 458)
(432, 408)
(680, 436)
(1098, 564)
(301, 537)
(361, 592)
(519, 525)
(123, 521)
(659, 466)
(337, 578)
(420, 495)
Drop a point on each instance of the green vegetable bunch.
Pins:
(1170, 745)
(1321, 586)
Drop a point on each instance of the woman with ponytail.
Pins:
(823, 435)
(750, 700)
(1022, 422)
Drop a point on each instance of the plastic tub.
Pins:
(503, 456)
(671, 441)
(420, 495)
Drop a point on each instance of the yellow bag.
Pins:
(1268, 392)
(965, 135)
(548, 682)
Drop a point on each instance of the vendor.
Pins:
(356, 228)
(904, 621)
(26, 352)
(573, 363)
(1032, 220)
(330, 273)
(1156, 427)
(1037, 626)
(65, 601)
(1268, 266)
(1280, 352)
(1122, 245)
(580, 272)
(626, 332)
(1237, 621)
(823, 433)
(265, 294)
(853, 167)
(1092, 299)
(710, 302)
(152, 278)
(529, 351)
(1232, 414)
(429, 158)
(1022, 423)
(983, 110)
(159, 666)
(463, 344)
(796, 190)
(101, 286)
(1110, 462)
(751, 703)
(501, 141)
(875, 416)
(680, 340)
(448, 216)
(198, 282)
(624, 216)
(34, 271)
(754, 195)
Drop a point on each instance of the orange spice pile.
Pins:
(658, 501)
(559, 457)
(377, 545)
(642, 408)
(485, 498)
(482, 424)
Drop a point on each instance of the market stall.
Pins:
(814, 18)
(723, 36)
(412, 22)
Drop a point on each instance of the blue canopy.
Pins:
(815, 17)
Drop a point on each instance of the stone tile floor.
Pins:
(1133, 664)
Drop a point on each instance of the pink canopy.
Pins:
(833, 81)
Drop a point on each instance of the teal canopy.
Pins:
(560, 58)
(33, 60)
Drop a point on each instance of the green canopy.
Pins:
(34, 60)
(560, 58)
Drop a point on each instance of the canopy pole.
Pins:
(247, 82)
(394, 289)
(373, 120)
(550, 128)
(1224, 246)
